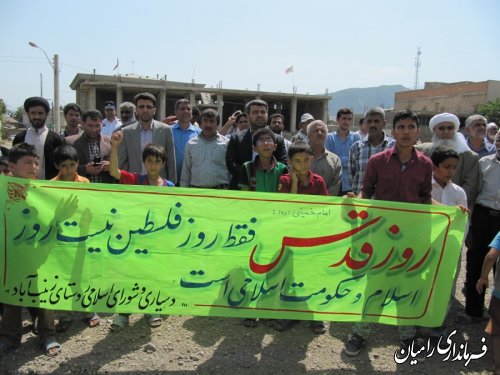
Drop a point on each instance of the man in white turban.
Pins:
(444, 127)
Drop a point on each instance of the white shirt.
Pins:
(37, 137)
(108, 127)
(450, 195)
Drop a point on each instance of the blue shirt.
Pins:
(181, 138)
(487, 148)
(496, 245)
(341, 148)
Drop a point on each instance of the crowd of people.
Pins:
(250, 152)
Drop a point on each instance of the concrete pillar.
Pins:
(192, 98)
(324, 110)
(92, 98)
(162, 105)
(82, 97)
(220, 106)
(293, 116)
(119, 97)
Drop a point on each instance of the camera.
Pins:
(97, 160)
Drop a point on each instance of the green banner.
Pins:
(143, 249)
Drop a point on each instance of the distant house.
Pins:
(459, 98)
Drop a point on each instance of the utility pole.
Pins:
(55, 67)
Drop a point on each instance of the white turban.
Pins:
(444, 117)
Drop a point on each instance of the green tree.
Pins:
(18, 114)
(490, 110)
(2, 107)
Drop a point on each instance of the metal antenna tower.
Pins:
(417, 68)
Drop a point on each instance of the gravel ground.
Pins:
(184, 345)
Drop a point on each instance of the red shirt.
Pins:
(387, 179)
(128, 178)
(314, 186)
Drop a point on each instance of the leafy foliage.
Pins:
(490, 110)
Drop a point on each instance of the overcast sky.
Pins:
(331, 44)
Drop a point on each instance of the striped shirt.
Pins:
(205, 162)
(358, 158)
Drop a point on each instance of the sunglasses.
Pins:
(443, 128)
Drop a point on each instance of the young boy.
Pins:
(23, 163)
(445, 161)
(154, 158)
(66, 161)
(489, 261)
(262, 174)
(301, 180)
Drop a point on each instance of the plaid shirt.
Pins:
(358, 158)
(94, 150)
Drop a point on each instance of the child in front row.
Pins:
(261, 174)
(154, 158)
(301, 180)
(444, 191)
(23, 163)
(66, 160)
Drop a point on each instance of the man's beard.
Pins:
(259, 122)
(37, 124)
(129, 121)
(454, 143)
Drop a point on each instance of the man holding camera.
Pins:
(93, 149)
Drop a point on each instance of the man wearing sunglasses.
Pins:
(444, 127)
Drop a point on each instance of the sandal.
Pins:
(94, 320)
(120, 321)
(63, 325)
(51, 346)
(154, 321)
(318, 327)
(251, 322)
(283, 324)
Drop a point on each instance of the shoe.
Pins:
(353, 346)
(51, 346)
(281, 325)
(120, 321)
(154, 321)
(416, 346)
(318, 327)
(93, 320)
(251, 322)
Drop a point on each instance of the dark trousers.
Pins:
(12, 323)
(495, 332)
(485, 224)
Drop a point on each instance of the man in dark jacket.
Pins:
(239, 149)
(93, 149)
(38, 135)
